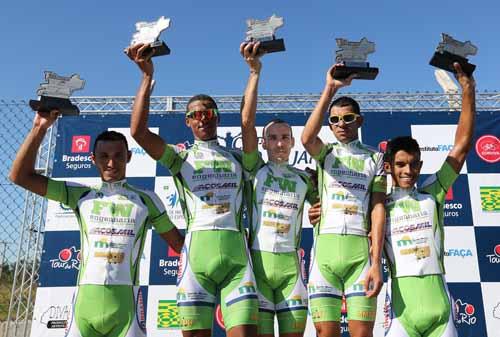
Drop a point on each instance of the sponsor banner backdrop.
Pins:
(472, 213)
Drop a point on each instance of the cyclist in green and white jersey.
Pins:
(276, 203)
(209, 179)
(113, 219)
(352, 188)
(418, 301)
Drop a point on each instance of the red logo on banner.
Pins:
(80, 144)
(488, 148)
(382, 146)
(449, 194)
(172, 252)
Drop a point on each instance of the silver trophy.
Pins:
(55, 93)
(449, 51)
(263, 31)
(353, 56)
(149, 33)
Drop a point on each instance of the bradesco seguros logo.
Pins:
(81, 160)
(488, 148)
(67, 259)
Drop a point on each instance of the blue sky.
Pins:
(87, 37)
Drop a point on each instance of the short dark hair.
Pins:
(202, 97)
(110, 136)
(275, 121)
(405, 143)
(345, 101)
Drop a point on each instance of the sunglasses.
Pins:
(347, 118)
(198, 115)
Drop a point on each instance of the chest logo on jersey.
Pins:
(347, 164)
(219, 166)
(285, 185)
(119, 210)
(420, 252)
(404, 206)
(271, 219)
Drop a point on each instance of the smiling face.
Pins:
(345, 132)
(204, 128)
(278, 142)
(405, 169)
(111, 158)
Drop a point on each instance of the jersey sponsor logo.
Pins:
(490, 198)
(168, 315)
(115, 209)
(295, 301)
(488, 148)
(437, 148)
(104, 243)
(347, 209)
(408, 241)
(495, 257)
(80, 144)
(350, 162)
(56, 316)
(111, 231)
(348, 185)
(112, 257)
(215, 186)
(219, 208)
(458, 252)
(280, 204)
(217, 166)
(320, 288)
(284, 184)
(465, 313)
(247, 288)
(68, 258)
(206, 176)
(421, 252)
(359, 287)
(405, 206)
(77, 162)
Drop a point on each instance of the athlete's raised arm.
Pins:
(249, 103)
(23, 171)
(151, 142)
(465, 127)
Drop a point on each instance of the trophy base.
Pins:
(363, 73)
(272, 46)
(46, 104)
(445, 61)
(159, 49)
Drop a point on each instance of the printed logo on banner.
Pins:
(68, 258)
(166, 190)
(488, 252)
(495, 257)
(469, 309)
(56, 316)
(80, 144)
(496, 311)
(218, 317)
(465, 313)
(488, 148)
(382, 146)
(165, 262)
(491, 300)
(490, 198)
(168, 315)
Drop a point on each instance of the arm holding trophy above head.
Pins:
(353, 55)
(151, 142)
(450, 51)
(312, 143)
(148, 33)
(249, 51)
(55, 93)
(263, 31)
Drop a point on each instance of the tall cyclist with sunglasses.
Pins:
(209, 179)
(352, 187)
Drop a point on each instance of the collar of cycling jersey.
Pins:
(352, 144)
(277, 165)
(398, 192)
(206, 143)
(113, 186)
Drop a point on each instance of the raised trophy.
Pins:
(353, 56)
(449, 51)
(149, 33)
(263, 31)
(55, 93)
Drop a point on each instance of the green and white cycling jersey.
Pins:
(414, 226)
(278, 193)
(113, 219)
(347, 175)
(209, 179)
